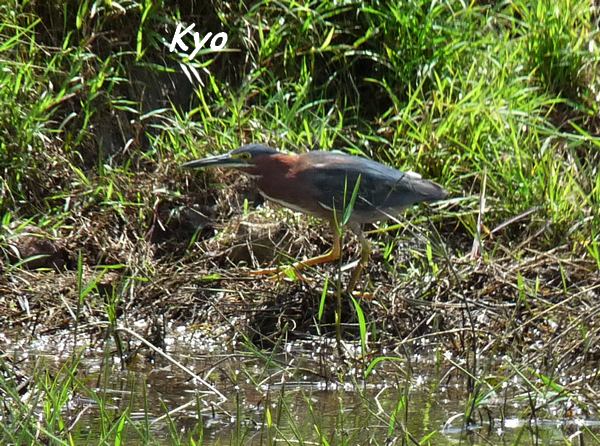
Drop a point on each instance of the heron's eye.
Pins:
(245, 156)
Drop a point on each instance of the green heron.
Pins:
(324, 184)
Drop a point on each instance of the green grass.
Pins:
(447, 91)
(496, 101)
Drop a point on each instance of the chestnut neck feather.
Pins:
(278, 181)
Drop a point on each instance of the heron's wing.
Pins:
(380, 187)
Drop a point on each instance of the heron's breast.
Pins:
(280, 183)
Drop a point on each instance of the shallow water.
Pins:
(302, 394)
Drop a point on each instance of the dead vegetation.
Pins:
(524, 303)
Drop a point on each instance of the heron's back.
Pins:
(382, 189)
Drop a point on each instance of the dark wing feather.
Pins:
(380, 187)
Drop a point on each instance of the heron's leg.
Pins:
(365, 253)
(333, 254)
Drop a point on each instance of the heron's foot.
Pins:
(293, 271)
(264, 272)
(365, 253)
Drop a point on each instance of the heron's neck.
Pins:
(272, 168)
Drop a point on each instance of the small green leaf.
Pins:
(327, 39)
(362, 324)
(377, 360)
(348, 209)
(323, 297)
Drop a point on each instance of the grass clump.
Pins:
(558, 43)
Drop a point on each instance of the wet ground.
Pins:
(304, 394)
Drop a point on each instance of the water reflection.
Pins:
(302, 395)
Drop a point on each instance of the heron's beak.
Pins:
(225, 160)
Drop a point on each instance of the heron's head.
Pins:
(249, 159)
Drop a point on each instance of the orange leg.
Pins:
(332, 255)
(365, 254)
